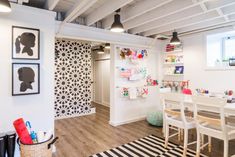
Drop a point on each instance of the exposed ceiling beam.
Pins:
(106, 9)
(183, 23)
(79, 8)
(222, 14)
(184, 14)
(51, 4)
(163, 11)
(138, 9)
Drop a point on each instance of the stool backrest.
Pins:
(209, 111)
(173, 106)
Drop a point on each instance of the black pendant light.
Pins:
(175, 40)
(117, 25)
(100, 50)
(107, 45)
(5, 6)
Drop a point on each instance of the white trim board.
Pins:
(113, 123)
(93, 110)
(80, 32)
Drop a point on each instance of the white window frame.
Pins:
(223, 46)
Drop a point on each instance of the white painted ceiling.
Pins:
(147, 17)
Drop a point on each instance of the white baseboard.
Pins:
(102, 103)
(93, 110)
(106, 104)
(113, 123)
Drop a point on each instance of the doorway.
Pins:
(101, 75)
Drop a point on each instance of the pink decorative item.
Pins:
(187, 91)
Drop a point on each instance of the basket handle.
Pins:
(52, 142)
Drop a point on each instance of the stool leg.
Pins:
(179, 134)
(226, 147)
(209, 144)
(166, 135)
(202, 142)
(185, 141)
(198, 144)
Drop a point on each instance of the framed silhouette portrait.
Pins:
(25, 78)
(25, 43)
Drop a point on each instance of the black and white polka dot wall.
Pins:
(72, 78)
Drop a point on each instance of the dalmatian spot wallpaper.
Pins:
(73, 65)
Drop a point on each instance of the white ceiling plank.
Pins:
(106, 9)
(202, 25)
(218, 3)
(228, 9)
(51, 4)
(187, 22)
(231, 17)
(138, 9)
(162, 21)
(79, 8)
(165, 10)
(184, 14)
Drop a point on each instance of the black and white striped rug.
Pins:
(150, 146)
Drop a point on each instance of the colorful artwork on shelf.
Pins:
(134, 92)
(170, 47)
(151, 82)
(133, 55)
(174, 59)
(133, 74)
(124, 92)
(175, 86)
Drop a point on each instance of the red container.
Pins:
(187, 91)
(22, 131)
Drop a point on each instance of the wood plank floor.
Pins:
(87, 135)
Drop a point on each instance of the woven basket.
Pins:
(43, 149)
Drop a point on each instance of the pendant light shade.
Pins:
(100, 50)
(117, 25)
(175, 40)
(5, 6)
(107, 45)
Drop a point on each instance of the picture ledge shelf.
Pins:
(174, 74)
(172, 52)
(219, 68)
(173, 63)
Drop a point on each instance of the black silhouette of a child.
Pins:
(26, 75)
(28, 40)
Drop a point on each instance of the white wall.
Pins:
(38, 109)
(194, 47)
(124, 110)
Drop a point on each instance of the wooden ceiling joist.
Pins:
(51, 4)
(106, 9)
(79, 8)
(135, 10)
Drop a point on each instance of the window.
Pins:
(220, 48)
(228, 48)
